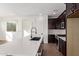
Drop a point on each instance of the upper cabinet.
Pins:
(77, 5)
(62, 20)
(70, 7)
(72, 10)
(58, 23)
(52, 23)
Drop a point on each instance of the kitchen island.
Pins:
(32, 47)
(25, 47)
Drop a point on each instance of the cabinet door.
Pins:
(73, 36)
(77, 6)
(62, 46)
(68, 8)
(51, 39)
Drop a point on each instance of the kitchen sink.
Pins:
(35, 39)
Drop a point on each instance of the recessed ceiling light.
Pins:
(54, 13)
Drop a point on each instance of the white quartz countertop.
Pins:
(63, 38)
(31, 48)
(26, 47)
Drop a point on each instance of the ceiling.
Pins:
(24, 9)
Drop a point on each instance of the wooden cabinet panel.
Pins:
(71, 9)
(62, 47)
(51, 25)
(68, 8)
(56, 23)
(52, 39)
(62, 20)
(77, 5)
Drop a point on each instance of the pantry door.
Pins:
(73, 36)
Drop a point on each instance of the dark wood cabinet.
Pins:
(62, 46)
(40, 50)
(72, 10)
(51, 23)
(70, 7)
(58, 23)
(77, 5)
(52, 39)
(61, 21)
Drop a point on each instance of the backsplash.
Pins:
(57, 31)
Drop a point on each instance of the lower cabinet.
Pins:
(40, 50)
(52, 39)
(62, 46)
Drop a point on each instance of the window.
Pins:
(11, 27)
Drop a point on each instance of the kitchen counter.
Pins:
(63, 38)
(60, 37)
(61, 44)
(25, 47)
(31, 48)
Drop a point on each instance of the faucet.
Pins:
(35, 30)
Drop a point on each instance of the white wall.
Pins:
(15, 47)
(45, 29)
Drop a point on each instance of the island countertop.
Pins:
(31, 48)
(26, 47)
